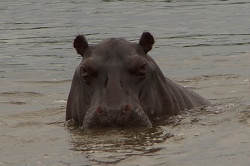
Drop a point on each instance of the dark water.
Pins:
(37, 62)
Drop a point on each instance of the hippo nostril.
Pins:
(127, 108)
(100, 110)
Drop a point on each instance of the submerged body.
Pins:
(118, 84)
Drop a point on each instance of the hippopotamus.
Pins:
(117, 84)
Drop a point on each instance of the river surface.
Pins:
(201, 44)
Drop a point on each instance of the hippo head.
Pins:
(118, 84)
(108, 88)
(109, 83)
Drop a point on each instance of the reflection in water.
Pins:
(111, 145)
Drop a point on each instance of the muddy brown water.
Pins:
(203, 46)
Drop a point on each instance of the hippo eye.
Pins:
(142, 70)
(86, 75)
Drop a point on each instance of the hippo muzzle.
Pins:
(125, 116)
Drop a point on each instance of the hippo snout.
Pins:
(113, 113)
(126, 115)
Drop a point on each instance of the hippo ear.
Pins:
(146, 41)
(80, 44)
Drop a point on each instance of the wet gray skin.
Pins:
(118, 84)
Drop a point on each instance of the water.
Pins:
(37, 36)
(201, 44)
